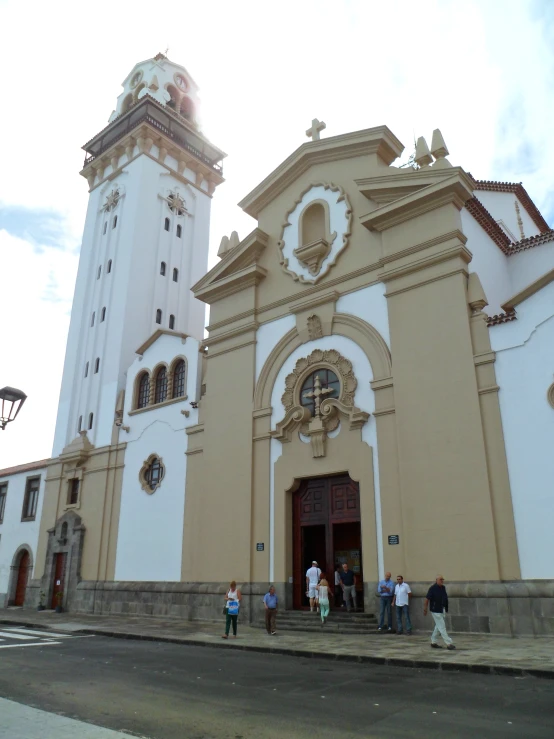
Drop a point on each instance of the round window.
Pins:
(311, 395)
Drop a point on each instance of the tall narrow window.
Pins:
(105, 227)
(166, 224)
(172, 321)
(179, 231)
(143, 396)
(3, 496)
(114, 224)
(86, 369)
(31, 499)
(162, 269)
(80, 423)
(175, 274)
(99, 272)
(160, 391)
(109, 266)
(179, 373)
(73, 493)
(158, 316)
(96, 365)
(103, 315)
(92, 319)
(90, 420)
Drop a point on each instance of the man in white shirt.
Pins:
(312, 579)
(338, 589)
(402, 595)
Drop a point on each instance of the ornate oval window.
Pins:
(152, 473)
(320, 384)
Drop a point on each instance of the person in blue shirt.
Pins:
(385, 591)
(270, 605)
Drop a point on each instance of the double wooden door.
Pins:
(326, 521)
(59, 578)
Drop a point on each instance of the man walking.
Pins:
(385, 591)
(348, 584)
(312, 579)
(437, 600)
(402, 595)
(270, 605)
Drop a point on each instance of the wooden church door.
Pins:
(22, 579)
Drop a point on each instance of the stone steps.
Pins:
(337, 622)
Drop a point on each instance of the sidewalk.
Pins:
(474, 653)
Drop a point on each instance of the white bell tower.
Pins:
(151, 175)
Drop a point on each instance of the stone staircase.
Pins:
(339, 621)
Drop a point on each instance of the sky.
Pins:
(480, 70)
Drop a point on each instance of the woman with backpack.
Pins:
(231, 609)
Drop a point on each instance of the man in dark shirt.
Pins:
(348, 585)
(437, 601)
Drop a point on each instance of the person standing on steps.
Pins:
(437, 601)
(270, 605)
(324, 595)
(348, 584)
(312, 578)
(232, 605)
(338, 589)
(402, 595)
(385, 591)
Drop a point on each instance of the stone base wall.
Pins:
(523, 608)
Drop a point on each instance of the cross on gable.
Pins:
(316, 394)
(315, 128)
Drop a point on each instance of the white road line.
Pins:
(46, 634)
(15, 636)
(36, 644)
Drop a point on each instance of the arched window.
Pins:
(166, 224)
(328, 381)
(127, 103)
(105, 227)
(187, 108)
(143, 396)
(90, 420)
(175, 274)
(158, 316)
(179, 374)
(92, 319)
(179, 231)
(172, 321)
(109, 266)
(114, 224)
(64, 524)
(162, 269)
(86, 369)
(313, 223)
(96, 365)
(154, 473)
(80, 423)
(99, 272)
(103, 315)
(160, 390)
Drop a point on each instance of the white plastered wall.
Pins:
(524, 371)
(150, 536)
(13, 531)
(501, 206)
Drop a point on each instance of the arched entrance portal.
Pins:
(326, 526)
(22, 574)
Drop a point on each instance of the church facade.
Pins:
(376, 384)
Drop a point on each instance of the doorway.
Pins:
(327, 528)
(59, 577)
(22, 574)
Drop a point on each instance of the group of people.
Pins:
(398, 594)
(392, 594)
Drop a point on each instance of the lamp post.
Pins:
(11, 402)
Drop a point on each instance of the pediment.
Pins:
(238, 269)
(400, 183)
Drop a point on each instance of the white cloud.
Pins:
(480, 70)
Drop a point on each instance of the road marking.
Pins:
(15, 636)
(36, 644)
(46, 634)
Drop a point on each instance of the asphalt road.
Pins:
(166, 691)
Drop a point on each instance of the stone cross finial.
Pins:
(315, 128)
(316, 394)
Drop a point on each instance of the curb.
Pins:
(482, 669)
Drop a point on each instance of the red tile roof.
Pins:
(522, 195)
(28, 467)
(510, 315)
(532, 241)
(476, 208)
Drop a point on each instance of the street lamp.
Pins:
(12, 400)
